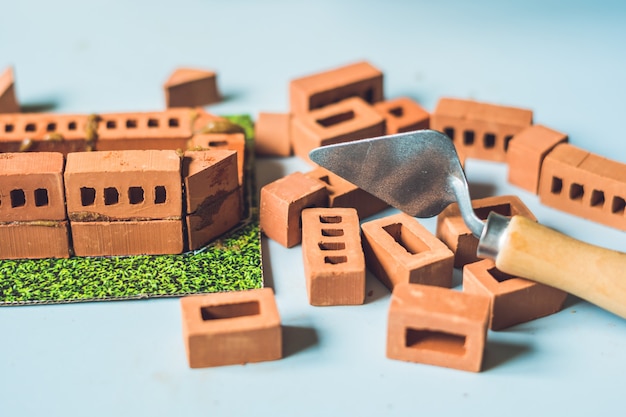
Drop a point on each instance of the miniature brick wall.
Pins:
(190, 87)
(46, 132)
(402, 115)
(398, 249)
(437, 326)
(479, 130)
(170, 129)
(453, 231)
(342, 193)
(231, 328)
(512, 300)
(315, 91)
(584, 184)
(31, 187)
(123, 185)
(8, 99)
(345, 121)
(334, 264)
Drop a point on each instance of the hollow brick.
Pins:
(315, 91)
(437, 326)
(231, 328)
(402, 115)
(513, 300)
(398, 249)
(334, 264)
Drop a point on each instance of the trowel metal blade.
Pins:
(411, 171)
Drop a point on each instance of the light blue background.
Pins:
(563, 59)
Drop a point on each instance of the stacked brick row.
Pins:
(115, 202)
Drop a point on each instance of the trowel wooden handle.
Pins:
(536, 252)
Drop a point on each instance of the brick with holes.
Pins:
(584, 184)
(451, 228)
(437, 326)
(191, 87)
(479, 130)
(282, 202)
(526, 153)
(231, 328)
(169, 129)
(342, 193)
(398, 249)
(334, 264)
(232, 141)
(512, 300)
(312, 92)
(345, 121)
(272, 134)
(402, 114)
(8, 98)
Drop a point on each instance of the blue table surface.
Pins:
(563, 59)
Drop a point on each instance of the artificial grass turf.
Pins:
(230, 263)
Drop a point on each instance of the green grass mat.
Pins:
(230, 263)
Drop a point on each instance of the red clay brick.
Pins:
(526, 153)
(207, 175)
(272, 134)
(123, 185)
(170, 129)
(213, 218)
(342, 193)
(334, 264)
(345, 121)
(398, 249)
(232, 141)
(512, 300)
(34, 240)
(231, 328)
(8, 99)
(282, 202)
(190, 87)
(315, 91)
(584, 184)
(452, 231)
(119, 238)
(403, 115)
(437, 326)
(479, 130)
(204, 120)
(31, 187)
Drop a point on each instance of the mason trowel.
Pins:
(420, 174)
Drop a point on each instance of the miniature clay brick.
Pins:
(283, 200)
(232, 141)
(512, 300)
(272, 134)
(342, 193)
(348, 120)
(170, 129)
(526, 153)
(312, 92)
(34, 240)
(203, 120)
(230, 328)
(437, 326)
(334, 264)
(123, 185)
(398, 249)
(584, 184)
(31, 186)
(8, 99)
(119, 238)
(47, 132)
(190, 87)
(479, 130)
(213, 218)
(208, 175)
(452, 231)
(403, 115)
